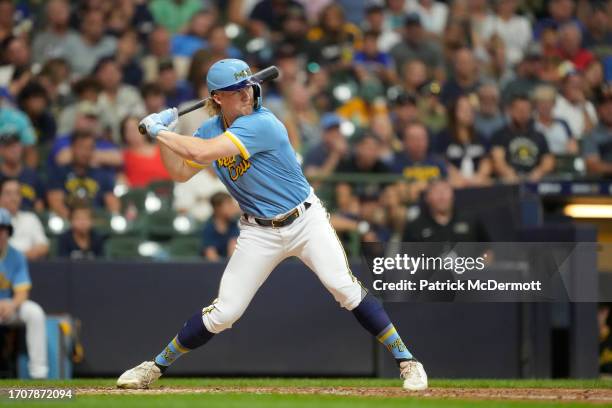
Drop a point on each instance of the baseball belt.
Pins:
(283, 222)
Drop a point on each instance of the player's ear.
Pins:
(216, 97)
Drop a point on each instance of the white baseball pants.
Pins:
(33, 316)
(259, 249)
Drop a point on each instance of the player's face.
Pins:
(236, 103)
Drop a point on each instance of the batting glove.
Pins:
(169, 118)
(153, 124)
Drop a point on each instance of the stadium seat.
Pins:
(159, 225)
(189, 247)
(122, 248)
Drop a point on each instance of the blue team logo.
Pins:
(235, 169)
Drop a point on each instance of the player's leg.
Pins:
(320, 249)
(257, 253)
(33, 316)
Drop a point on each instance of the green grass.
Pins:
(252, 400)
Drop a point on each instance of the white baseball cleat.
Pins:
(413, 373)
(139, 377)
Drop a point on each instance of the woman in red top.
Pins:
(142, 162)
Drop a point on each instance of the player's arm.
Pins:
(196, 149)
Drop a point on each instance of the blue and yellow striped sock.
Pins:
(393, 342)
(192, 335)
(173, 350)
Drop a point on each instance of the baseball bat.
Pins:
(266, 74)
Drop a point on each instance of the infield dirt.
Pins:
(596, 396)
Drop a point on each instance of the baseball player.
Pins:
(250, 152)
(15, 306)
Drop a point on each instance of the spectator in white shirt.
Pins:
(556, 130)
(28, 233)
(573, 106)
(433, 14)
(513, 29)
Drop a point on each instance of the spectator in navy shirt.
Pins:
(519, 151)
(13, 166)
(81, 241)
(80, 181)
(221, 231)
(463, 148)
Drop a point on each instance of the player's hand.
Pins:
(153, 124)
(7, 308)
(169, 118)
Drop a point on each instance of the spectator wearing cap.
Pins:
(528, 75)
(58, 39)
(15, 285)
(404, 111)
(573, 106)
(375, 21)
(519, 151)
(12, 166)
(33, 100)
(463, 148)
(488, 117)
(415, 45)
(465, 79)
(116, 100)
(323, 158)
(81, 181)
(433, 14)
(556, 130)
(513, 29)
(174, 15)
(28, 233)
(597, 144)
(92, 43)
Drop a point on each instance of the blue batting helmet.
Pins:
(5, 220)
(231, 75)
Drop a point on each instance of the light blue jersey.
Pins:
(265, 178)
(13, 272)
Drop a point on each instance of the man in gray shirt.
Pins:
(92, 44)
(58, 40)
(597, 145)
(415, 45)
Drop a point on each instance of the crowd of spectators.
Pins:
(473, 92)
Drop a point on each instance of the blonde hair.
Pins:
(211, 107)
(544, 93)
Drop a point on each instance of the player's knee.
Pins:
(220, 318)
(32, 312)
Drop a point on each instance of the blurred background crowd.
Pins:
(384, 101)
